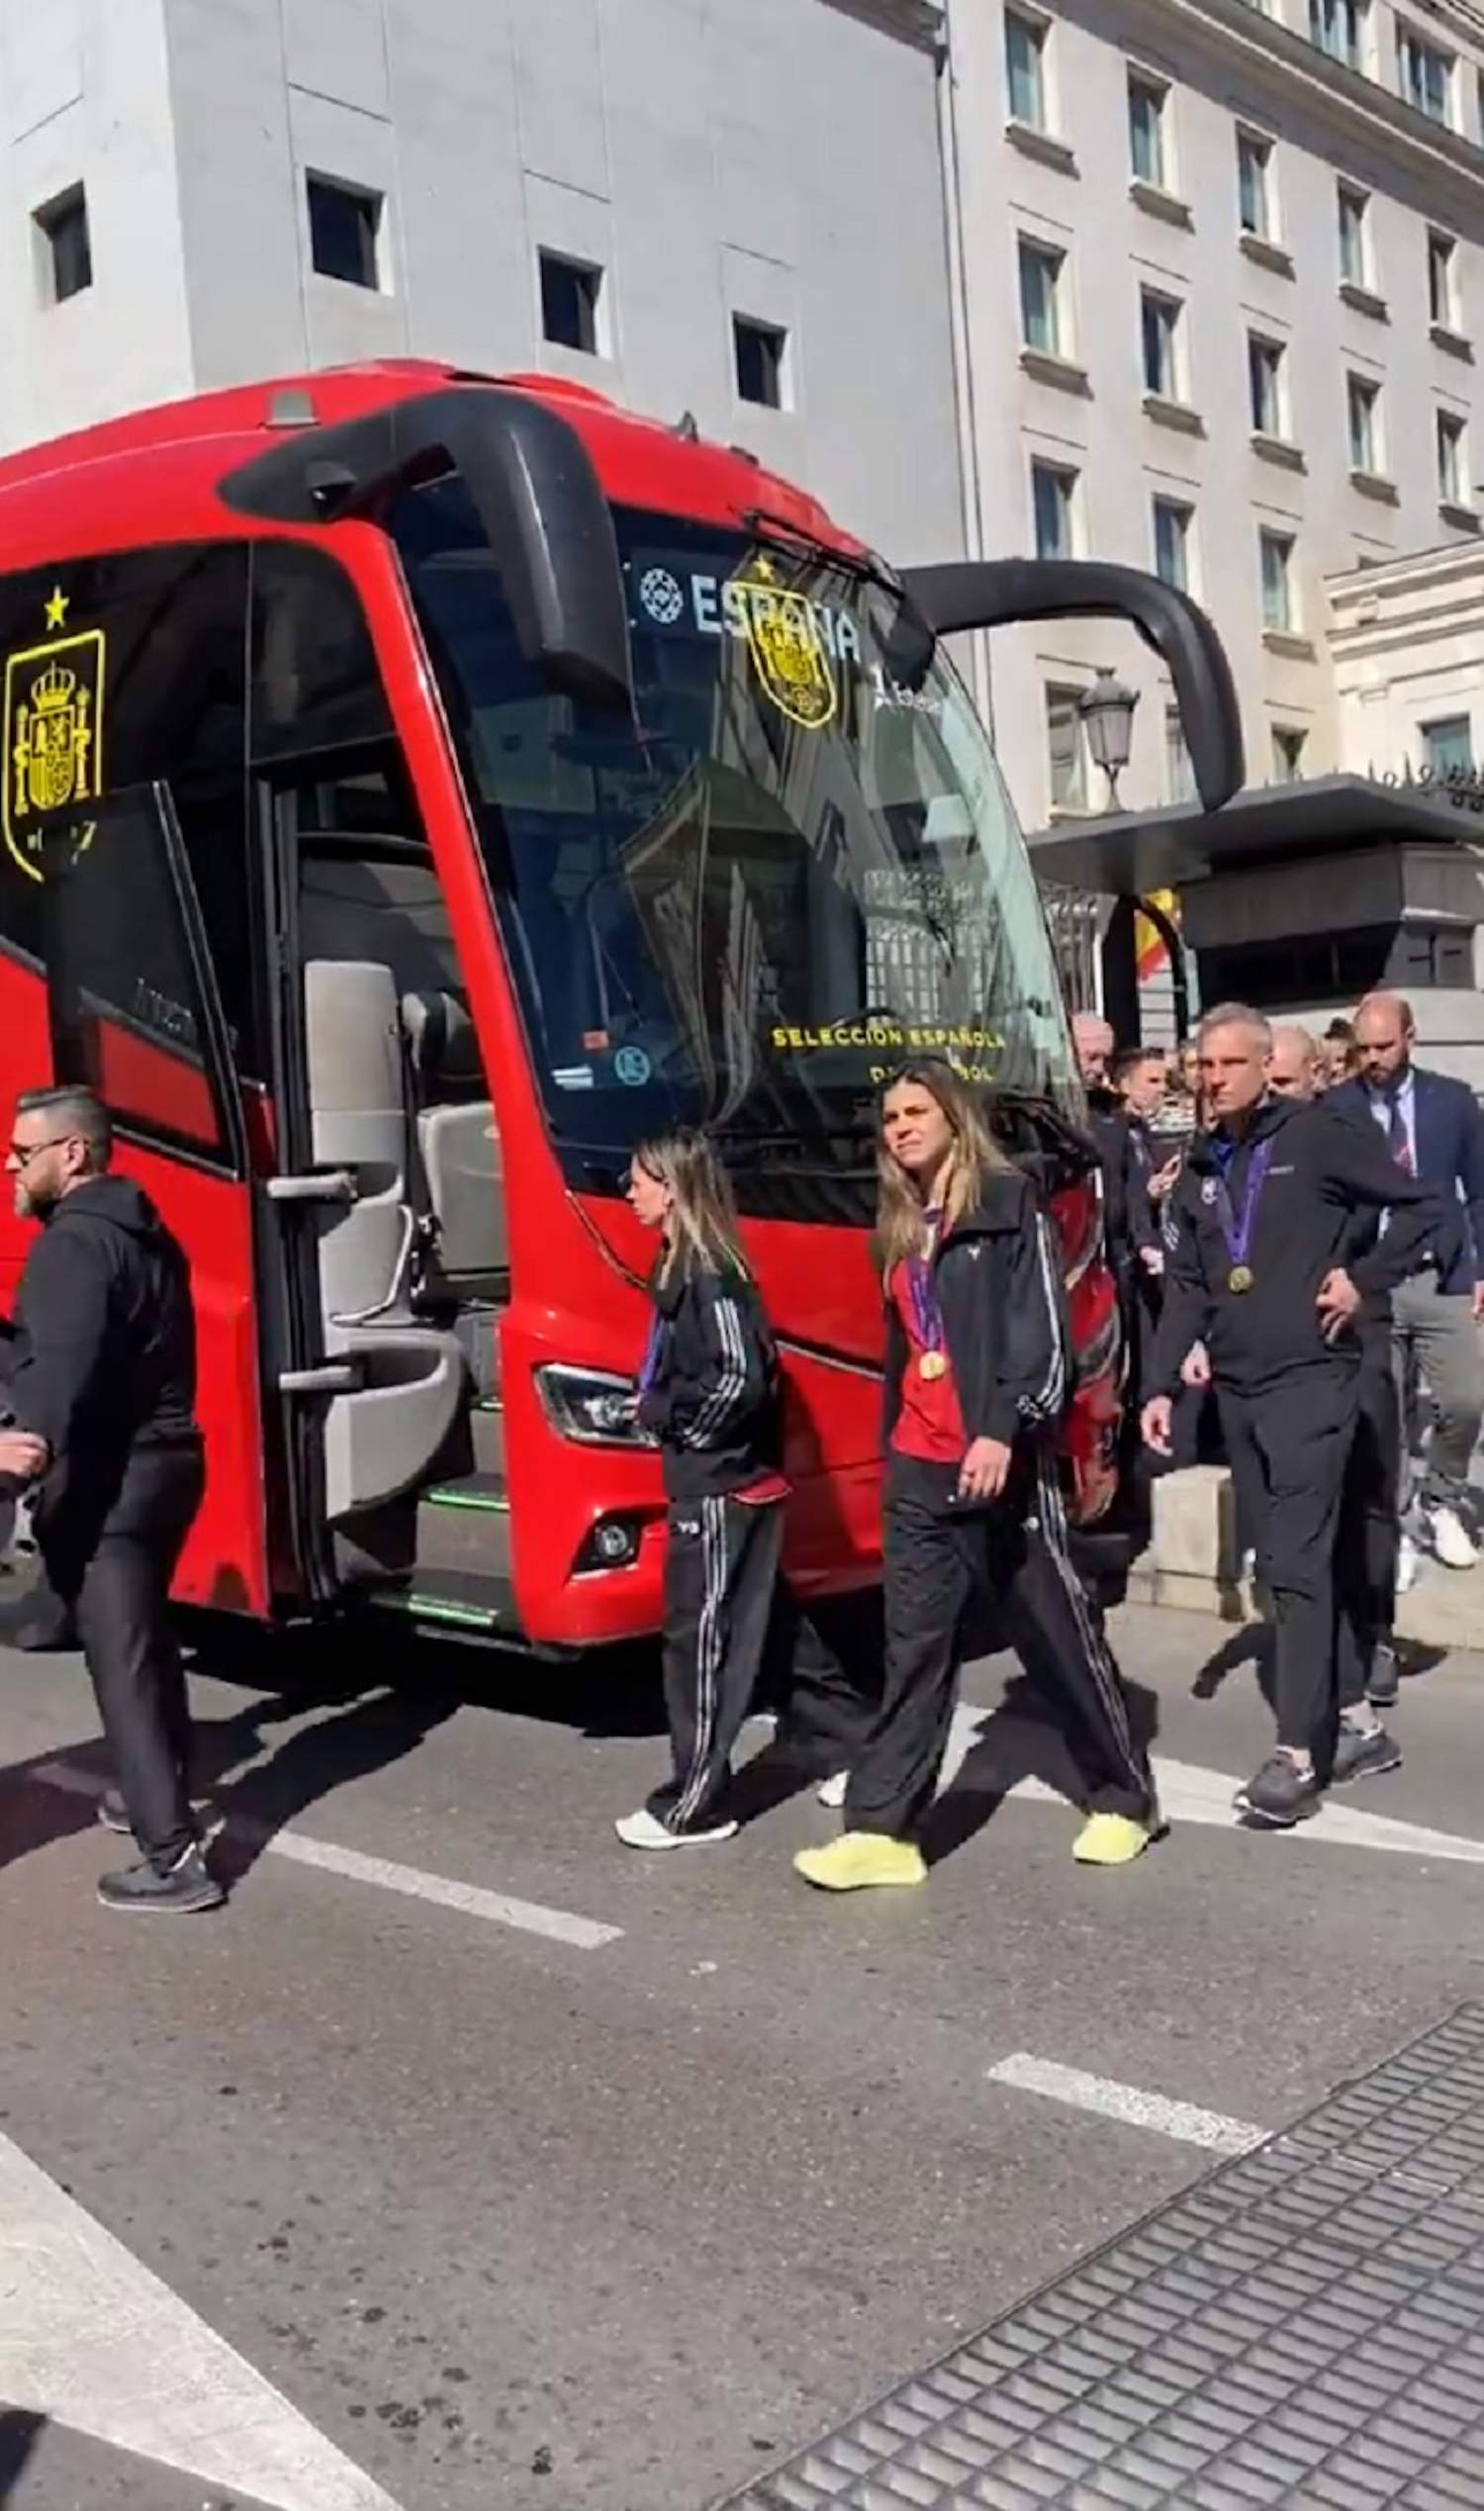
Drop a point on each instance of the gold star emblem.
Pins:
(764, 571)
(57, 609)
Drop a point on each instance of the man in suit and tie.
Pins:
(1436, 1131)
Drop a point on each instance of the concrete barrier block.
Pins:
(1192, 1530)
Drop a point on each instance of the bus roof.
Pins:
(155, 472)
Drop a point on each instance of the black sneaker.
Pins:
(1280, 1795)
(209, 1819)
(1385, 1678)
(186, 1886)
(1359, 1755)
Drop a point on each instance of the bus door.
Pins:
(135, 1014)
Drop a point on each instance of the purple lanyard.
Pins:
(649, 1367)
(1236, 1228)
(927, 1314)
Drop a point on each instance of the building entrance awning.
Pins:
(1129, 853)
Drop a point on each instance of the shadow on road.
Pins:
(20, 2431)
(1022, 1738)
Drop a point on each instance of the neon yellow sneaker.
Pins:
(1110, 1839)
(859, 1859)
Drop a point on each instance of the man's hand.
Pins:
(1162, 1181)
(1479, 1299)
(983, 1471)
(1154, 1420)
(1338, 1302)
(1195, 1368)
(23, 1454)
(1152, 1260)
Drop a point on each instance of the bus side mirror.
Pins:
(995, 593)
(535, 491)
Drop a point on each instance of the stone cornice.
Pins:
(921, 22)
(1276, 58)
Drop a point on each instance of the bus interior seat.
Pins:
(382, 1437)
(459, 1145)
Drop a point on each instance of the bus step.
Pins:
(465, 1526)
(453, 1599)
(487, 1428)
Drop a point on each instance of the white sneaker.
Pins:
(643, 1831)
(1452, 1540)
(831, 1792)
(1408, 1564)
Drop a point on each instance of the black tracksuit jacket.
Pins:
(998, 1280)
(1326, 1170)
(712, 1400)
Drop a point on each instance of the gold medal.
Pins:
(1240, 1277)
(933, 1365)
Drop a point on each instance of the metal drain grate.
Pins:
(1306, 2327)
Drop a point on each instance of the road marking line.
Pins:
(92, 2339)
(1124, 2101)
(1190, 1793)
(499, 1909)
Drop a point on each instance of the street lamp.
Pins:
(1108, 710)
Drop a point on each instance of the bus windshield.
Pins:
(788, 874)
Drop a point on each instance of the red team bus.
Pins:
(415, 786)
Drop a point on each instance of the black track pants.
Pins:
(721, 1572)
(1292, 1443)
(1365, 1551)
(934, 1559)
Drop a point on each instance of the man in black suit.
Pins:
(1436, 1131)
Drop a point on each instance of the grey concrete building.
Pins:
(733, 206)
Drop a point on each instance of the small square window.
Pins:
(1054, 500)
(1425, 74)
(1025, 69)
(1364, 413)
(1442, 291)
(1276, 549)
(65, 245)
(1147, 150)
(1264, 368)
(571, 297)
(760, 352)
(1041, 315)
(1354, 256)
(1160, 334)
(1448, 745)
(1288, 752)
(344, 232)
(1254, 184)
(1066, 749)
(1172, 522)
(1453, 483)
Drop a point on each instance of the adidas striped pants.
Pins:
(721, 1567)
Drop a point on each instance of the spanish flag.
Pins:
(1150, 952)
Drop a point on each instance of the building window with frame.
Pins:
(1162, 344)
(1443, 280)
(1042, 315)
(1363, 402)
(571, 302)
(1266, 385)
(1354, 238)
(1053, 491)
(1339, 28)
(1147, 153)
(1172, 521)
(1255, 188)
(64, 245)
(1454, 488)
(760, 355)
(1447, 746)
(1288, 742)
(1179, 775)
(1025, 69)
(1066, 749)
(1275, 550)
(1426, 73)
(344, 222)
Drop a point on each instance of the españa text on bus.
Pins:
(873, 1033)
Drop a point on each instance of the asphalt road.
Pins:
(501, 2167)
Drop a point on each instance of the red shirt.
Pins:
(929, 1424)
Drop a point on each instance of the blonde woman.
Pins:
(707, 1391)
(975, 1382)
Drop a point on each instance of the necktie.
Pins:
(1396, 1132)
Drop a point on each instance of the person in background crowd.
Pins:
(1338, 1056)
(101, 1383)
(1366, 1550)
(1261, 1272)
(1138, 1078)
(708, 1394)
(977, 1380)
(1436, 1131)
(1129, 1234)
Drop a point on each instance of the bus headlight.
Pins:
(594, 1407)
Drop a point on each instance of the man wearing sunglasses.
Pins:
(101, 1373)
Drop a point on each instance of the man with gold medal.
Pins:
(1256, 1233)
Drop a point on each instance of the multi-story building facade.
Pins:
(732, 211)
(1222, 312)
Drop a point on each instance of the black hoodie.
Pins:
(1324, 1172)
(102, 1355)
(709, 1391)
(998, 1282)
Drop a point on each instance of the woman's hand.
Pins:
(23, 1454)
(985, 1470)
